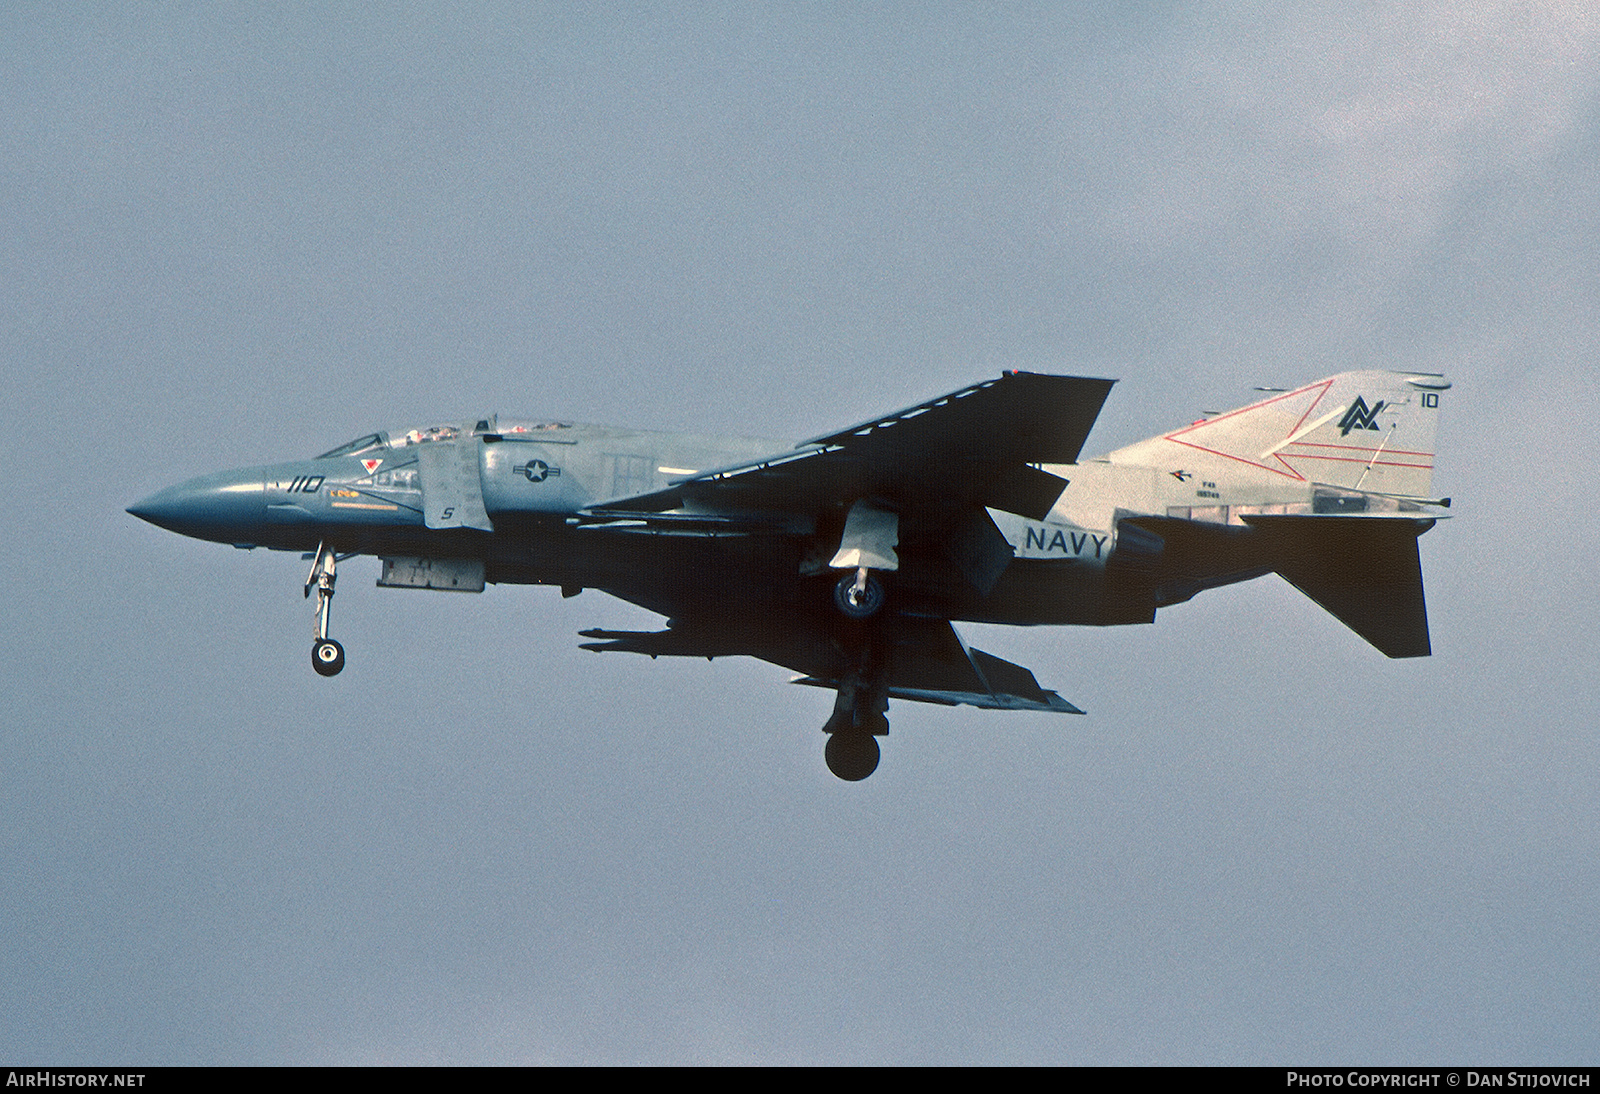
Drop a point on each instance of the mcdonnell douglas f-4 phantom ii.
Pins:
(847, 558)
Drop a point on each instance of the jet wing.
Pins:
(927, 660)
(970, 447)
(930, 663)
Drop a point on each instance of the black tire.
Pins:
(852, 756)
(327, 657)
(871, 599)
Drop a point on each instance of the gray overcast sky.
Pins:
(231, 234)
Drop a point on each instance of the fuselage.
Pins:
(530, 482)
(723, 519)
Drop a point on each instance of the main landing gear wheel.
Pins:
(856, 598)
(327, 656)
(852, 755)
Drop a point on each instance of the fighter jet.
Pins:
(847, 558)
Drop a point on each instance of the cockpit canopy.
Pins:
(490, 427)
(370, 443)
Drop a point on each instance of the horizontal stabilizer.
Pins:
(1365, 571)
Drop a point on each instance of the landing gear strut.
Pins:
(859, 719)
(327, 656)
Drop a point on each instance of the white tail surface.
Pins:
(1370, 431)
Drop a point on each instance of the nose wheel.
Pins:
(327, 656)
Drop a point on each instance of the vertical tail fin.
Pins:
(1371, 431)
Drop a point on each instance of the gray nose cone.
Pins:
(167, 508)
(226, 507)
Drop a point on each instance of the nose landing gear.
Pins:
(327, 656)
